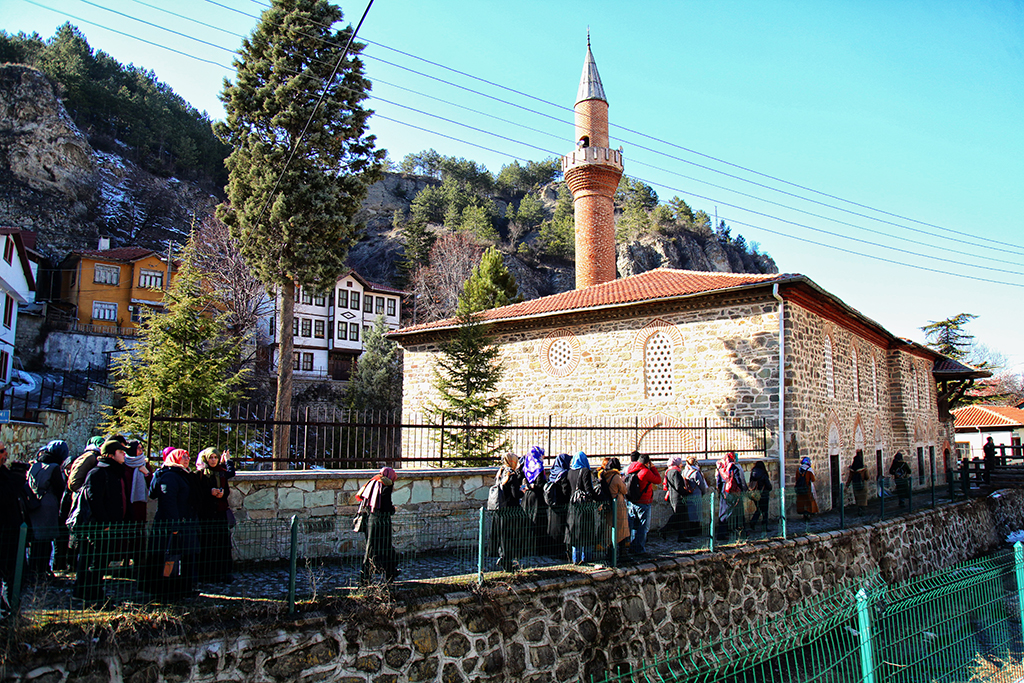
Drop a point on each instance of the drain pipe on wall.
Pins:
(782, 407)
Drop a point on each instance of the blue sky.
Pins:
(903, 123)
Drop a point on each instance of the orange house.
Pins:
(107, 288)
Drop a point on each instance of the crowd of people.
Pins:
(87, 511)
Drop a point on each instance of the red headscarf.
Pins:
(727, 472)
(178, 457)
(370, 493)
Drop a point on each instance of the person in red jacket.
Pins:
(640, 511)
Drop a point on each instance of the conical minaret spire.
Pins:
(592, 173)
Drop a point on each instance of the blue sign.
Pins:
(5, 416)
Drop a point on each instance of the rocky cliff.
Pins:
(52, 181)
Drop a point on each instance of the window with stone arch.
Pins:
(856, 375)
(874, 377)
(658, 366)
(560, 353)
(830, 374)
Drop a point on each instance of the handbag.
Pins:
(359, 521)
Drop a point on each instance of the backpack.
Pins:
(602, 493)
(802, 485)
(635, 488)
(81, 512)
(551, 493)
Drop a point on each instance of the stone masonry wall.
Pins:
(75, 423)
(723, 364)
(872, 405)
(565, 628)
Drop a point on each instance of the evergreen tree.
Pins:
(466, 376)
(376, 384)
(558, 236)
(490, 285)
(181, 360)
(291, 118)
(416, 244)
(949, 338)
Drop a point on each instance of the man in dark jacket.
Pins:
(989, 449)
(107, 494)
(12, 516)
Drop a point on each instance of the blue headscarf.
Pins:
(533, 464)
(580, 462)
(560, 468)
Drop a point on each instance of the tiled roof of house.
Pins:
(988, 416)
(654, 285)
(119, 254)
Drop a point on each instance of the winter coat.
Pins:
(106, 491)
(650, 478)
(46, 485)
(173, 489)
(208, 479)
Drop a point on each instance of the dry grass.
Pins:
(996, 670)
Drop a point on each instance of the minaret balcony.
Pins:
(592, 156)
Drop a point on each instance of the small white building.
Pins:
(974, 424)
(17, 286)
(329, 327)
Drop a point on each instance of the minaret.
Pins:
(592, 173)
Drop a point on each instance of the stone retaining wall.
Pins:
(75, 423)
(565, 628)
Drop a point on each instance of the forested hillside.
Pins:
(112, 103)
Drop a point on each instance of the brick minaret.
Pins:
(592, 173)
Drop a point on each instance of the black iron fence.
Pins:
(48, 391)
(335, 438)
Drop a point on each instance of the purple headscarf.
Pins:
(533, 464)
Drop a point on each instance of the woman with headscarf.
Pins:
(581, 525)
(556, 495)
(213, 470)
(698, 488)
(760, 492)
(375, 500)
(856, 479)
(508, 518)
(533, 502)
(731, 485)
(614, 510)
(806, 503)
(45, 483)
(173, 542)
(900, 472)
(676, 491)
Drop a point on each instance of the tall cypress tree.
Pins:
(291, 118)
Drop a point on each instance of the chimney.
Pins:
(104, 243)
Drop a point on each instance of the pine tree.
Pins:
(949, 338)
(376, 384)
(182, 360)
(291, 118)
(466, 376)
(490, 285)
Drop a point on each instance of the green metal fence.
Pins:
(944, 627)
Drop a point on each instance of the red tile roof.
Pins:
(119, 254)
(988, 416)
(654, 285)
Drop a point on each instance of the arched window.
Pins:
(830, 378)
(856, 376)
(658, 366)
(874, 377)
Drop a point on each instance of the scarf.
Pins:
(510, 463)
(533, 464)
(560, 468)
(727, 472)
(580, 462)
(674, 463)
(805, 465)
(371, 491)
(138, 492)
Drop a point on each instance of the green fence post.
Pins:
(293, 564)
(867, 660)
(881, 497)
(711, 543)
(782, 509)
(1018, 564)
(19, 568)
(480, 548)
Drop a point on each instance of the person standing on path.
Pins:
(989, 449)
(640, 511)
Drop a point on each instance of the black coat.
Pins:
(106, 490)
(174, 491)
